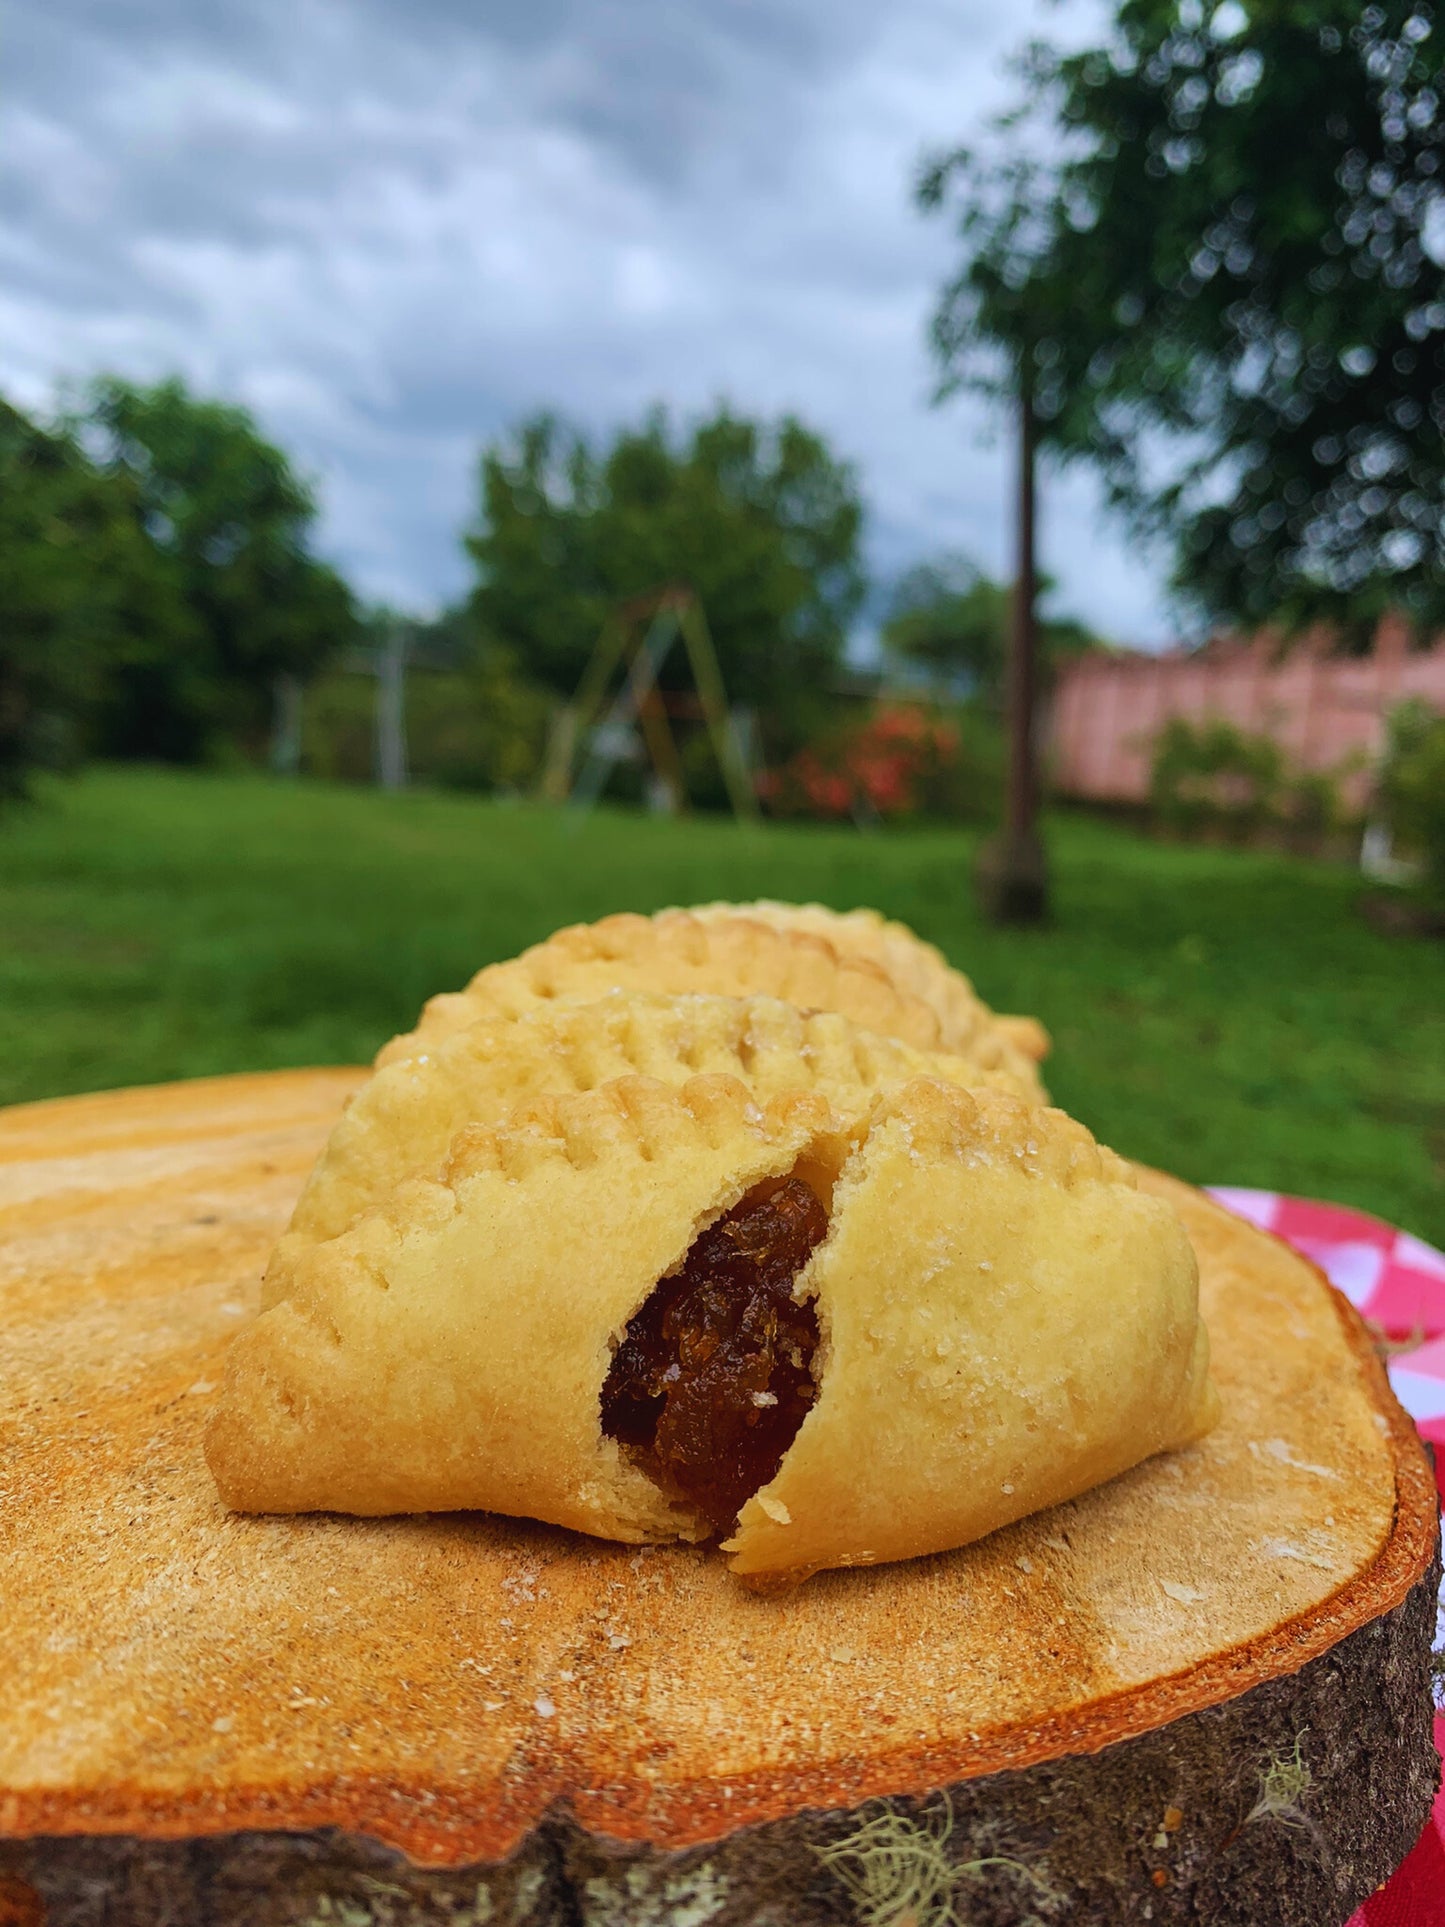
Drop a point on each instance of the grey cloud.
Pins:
(396, 226)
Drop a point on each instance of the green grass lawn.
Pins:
(1226, 1015)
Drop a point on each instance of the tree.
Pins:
(992, 333)
(81, 590)
(226, 512)
(1236, 257)
(759, 519)
(948, 618)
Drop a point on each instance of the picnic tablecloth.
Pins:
(1398, 1283)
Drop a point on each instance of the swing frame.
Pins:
(638, 636)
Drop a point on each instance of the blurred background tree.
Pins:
(990, 334)
(760, 519)
(231, 523)
(471, 721)
(82, 591)
(1230, 292)
(950, 621)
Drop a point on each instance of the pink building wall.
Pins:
(1321, 708)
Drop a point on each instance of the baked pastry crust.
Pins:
(448, 1352)
(401, 1123)
(719, 954)
(913, 965)
(1005, 1321)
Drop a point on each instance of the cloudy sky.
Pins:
(394, 227)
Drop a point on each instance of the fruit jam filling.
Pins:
(713, 1377)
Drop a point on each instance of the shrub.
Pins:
(1412, 788)
(480, 729)
(902, 761)
(494, 738)
(1214, 773)
(1310, 803)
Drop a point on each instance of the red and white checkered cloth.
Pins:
(1399, 1284)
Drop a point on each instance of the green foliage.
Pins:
(949, 619)
(225, 511)
(129, 953)
(901, 761)
(1412, 787)
(512, 717)
(967, 785)
(478, 727)
(1214, 772)
(946, 617)
(1214, 775)
(1237, 250)
(1310, 803)
(81, 590)
(761, 521)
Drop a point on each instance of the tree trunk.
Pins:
(1012, 875)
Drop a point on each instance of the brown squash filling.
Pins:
(713, 1377)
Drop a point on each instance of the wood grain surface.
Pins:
(443, 1684)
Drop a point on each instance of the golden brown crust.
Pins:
(1004, 1321)
(448, 1352)
(186, 1670)
(915, 966)
(676, 953)
(1026, 1034)
(400, 1124)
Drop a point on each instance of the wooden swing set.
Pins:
(590, 736)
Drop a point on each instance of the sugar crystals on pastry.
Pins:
(648, 1312)
(402, 1121)
(918, 967)
(722, 953)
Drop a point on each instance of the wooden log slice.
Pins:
(1197, 1694)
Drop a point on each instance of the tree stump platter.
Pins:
(1200, 1693)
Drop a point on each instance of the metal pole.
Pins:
(286, 731)
(636, 686)
(391, 772)
(742, 794)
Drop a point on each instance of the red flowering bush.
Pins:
(900, 761)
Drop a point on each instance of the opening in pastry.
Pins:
(714, 1373)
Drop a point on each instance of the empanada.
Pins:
(588, 1320)
(401, 1123)
(725, 955)
(912, 964)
